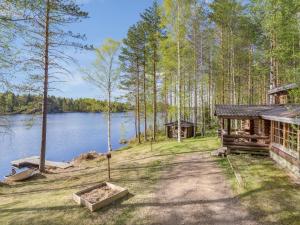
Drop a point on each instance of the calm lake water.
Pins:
(69, 135)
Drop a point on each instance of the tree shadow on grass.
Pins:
(167, 154)
(5, 208)
(119, 170)
(281, 197)
(38, 209)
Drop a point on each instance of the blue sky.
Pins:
(108, 19)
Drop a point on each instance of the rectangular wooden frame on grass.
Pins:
(122, 192)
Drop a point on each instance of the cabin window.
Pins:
(278, 133)
(286, 135)
(291, 141)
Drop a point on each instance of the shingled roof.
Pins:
(183, 124)
(283, 88)
(281, 113)
(241, 110)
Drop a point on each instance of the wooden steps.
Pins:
(248, 150)
(246, 144)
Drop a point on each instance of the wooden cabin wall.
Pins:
(266, 127)
(289, 158)
(252, 127)
(257, 127)
(187, 131)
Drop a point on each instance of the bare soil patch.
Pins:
(195, 191)
(99, 194)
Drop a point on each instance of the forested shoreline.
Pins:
(180, 58)
(32, 104)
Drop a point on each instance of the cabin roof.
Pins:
(283, 88)
(281, 113)
(183, 123)
(241, 111)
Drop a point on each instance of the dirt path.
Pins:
(195, 191)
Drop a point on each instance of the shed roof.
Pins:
(283, 88)
(183, 123)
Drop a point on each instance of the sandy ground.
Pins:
(194, 191)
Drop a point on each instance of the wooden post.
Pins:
(167, 131)
(223, 124)
(272, 132)
(298, 141)
(228, 126)
(252, 127)
(108, 156)
(285, 129)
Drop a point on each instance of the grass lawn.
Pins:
(266, 189)
(48, 200)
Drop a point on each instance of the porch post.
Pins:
(228, 126)
(252, 127)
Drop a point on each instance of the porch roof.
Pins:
(241, 111)
(283, 113)
(284, 88)
(280, 113)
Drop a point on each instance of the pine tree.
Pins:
(46, 39)
(152, 23)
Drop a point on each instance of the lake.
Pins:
(68, 135)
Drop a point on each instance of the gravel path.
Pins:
(195, 191)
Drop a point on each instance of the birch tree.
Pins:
(176, 14)
(104, 74)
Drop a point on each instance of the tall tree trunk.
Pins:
(249, 75)
(154, 96)
(109, 119)
(233, 73)
(138, 104)
(166, 98)
(210, 86)
(223, 66)
(45, 94)
(144, 96)
(178, 76)
(272, 69)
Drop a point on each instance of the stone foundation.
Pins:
(285, 160)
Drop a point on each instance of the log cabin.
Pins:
(187, 129)
(272, 130)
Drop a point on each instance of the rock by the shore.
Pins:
(88, 156)
(123, 141)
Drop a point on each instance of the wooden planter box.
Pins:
(121, 192)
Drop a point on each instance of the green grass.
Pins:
(267, 190)
(48, 200)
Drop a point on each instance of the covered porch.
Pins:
(242, 130)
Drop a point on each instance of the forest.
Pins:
(191, 55)
(180, 59)
(31, 104)
(212, 88)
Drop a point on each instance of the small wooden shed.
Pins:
(187, 129)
